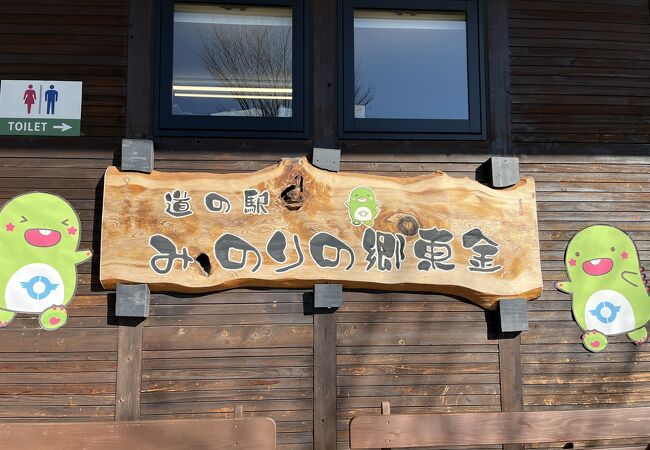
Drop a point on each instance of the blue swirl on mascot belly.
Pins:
(598, 312)
(29, 287)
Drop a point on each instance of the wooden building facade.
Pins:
(568, 93)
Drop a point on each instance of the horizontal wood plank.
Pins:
(242, 434)
(407, 431)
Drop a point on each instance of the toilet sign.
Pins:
(40, 108)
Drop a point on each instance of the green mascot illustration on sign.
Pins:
(607, 285)
(362, 206)
(39, 239)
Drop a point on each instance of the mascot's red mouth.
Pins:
(42, 237)
(598, 267)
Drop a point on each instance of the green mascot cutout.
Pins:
(362, 206)
(39, 239)
(607, 286)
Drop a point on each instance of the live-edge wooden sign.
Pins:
(294, 225)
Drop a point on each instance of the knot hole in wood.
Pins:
(294, 195)
(408, 225)
(204, 263)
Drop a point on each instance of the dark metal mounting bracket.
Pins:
(504, 171)
(132, 300)
(513, 314)
(137, 155)
(328, 296)
(326, 158)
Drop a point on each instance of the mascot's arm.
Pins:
(633, 278)
(566, 286)
(81, 256)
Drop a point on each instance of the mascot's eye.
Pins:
(23, 219)
(613, 249)
(65, 222)
(577, 254)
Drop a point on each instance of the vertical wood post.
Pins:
(499, 76)
(498, 49)
(139, 71)
(512, 398)
(324, 381)
(324, 51)
(324, 80)
(138, 125)
(129, 369)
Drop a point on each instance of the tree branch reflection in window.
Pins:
(256, 61)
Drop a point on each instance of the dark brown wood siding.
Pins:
(68, 375)
(580, 124)
(421, 353)
(203, 355)
(580, 76)
(580, 111)
(71, 40)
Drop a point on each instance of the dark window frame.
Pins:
(475, 128)
(167, 124)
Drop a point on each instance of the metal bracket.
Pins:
(137, 155)
(504, 171)
(326, 158)
(514, 315)
(132, 300)
(328, 295)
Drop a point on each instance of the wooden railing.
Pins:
(393, 431)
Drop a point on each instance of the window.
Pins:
(231, 69)
(413, 72)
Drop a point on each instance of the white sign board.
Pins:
(29, 107)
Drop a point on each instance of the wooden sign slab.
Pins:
(293, 225)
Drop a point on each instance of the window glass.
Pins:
(232, 60)
(410, 65)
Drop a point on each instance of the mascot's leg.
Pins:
(6, 317)
(594, 341)
(53, 318)
(639, 336)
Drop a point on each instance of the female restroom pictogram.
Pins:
(29, 97)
